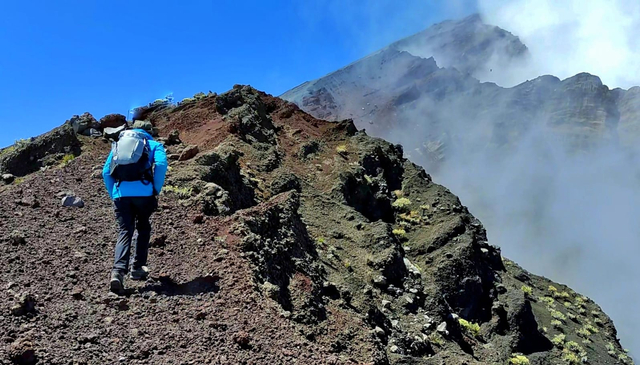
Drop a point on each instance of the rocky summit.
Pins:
(279, 239)
(430, 86)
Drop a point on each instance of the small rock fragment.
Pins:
(77, 294)
(442, 329)
(17, 238)
(72, 201)
(26, 305)
(380, 280)
(242, 338)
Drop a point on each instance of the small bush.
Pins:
(624, 358)
(557, 324)
(400, 233)
(182, 193)
(341, 149)
(519, 360)
(551, 303)
(573, 346)
(527, 290)
(590, 328)
(402, 204)
(557, 315)
(571, 358)
(436, 339)
(553, 289)
(66, 159)
(558, 340)
(582, 332)
(471, 328)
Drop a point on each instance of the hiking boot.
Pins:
(116, 283)
(139, 274)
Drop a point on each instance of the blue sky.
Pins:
(66, 57)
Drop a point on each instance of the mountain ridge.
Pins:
(282, 237)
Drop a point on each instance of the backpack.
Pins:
(130, 158)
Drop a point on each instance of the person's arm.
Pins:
(160, 169)
(109, 181)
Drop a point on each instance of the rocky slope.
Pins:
(280, 239)
(428, 84)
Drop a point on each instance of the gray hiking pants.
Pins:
(133, 213)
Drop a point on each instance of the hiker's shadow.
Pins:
(199, 285)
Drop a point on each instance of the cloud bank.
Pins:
(566, 37)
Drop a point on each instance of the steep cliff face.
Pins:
(284, 239)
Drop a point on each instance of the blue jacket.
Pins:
(158, 158)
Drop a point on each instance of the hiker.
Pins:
(133, 174)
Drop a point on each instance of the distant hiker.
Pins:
(133, 175)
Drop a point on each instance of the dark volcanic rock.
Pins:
(30, 156)
(112, 121)
(83, 124)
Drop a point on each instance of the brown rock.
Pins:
(242, 338)
(198, 219)
(189, 153)
(22, 352)
(77, 294)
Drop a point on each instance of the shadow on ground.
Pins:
(199, 285)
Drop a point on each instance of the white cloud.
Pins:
(567, 37)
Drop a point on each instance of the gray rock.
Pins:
(82, 124)
(379, 332)
(173, 157)
(413, 269)
(386, 304)
(93, 132)
(394, 349)
(72, 201)
(143, 124)
(8, 178)
(112, 133)
(442, 329)
(380, 280)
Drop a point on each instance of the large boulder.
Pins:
(113, 133)
(82, 124)
(112, 121)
